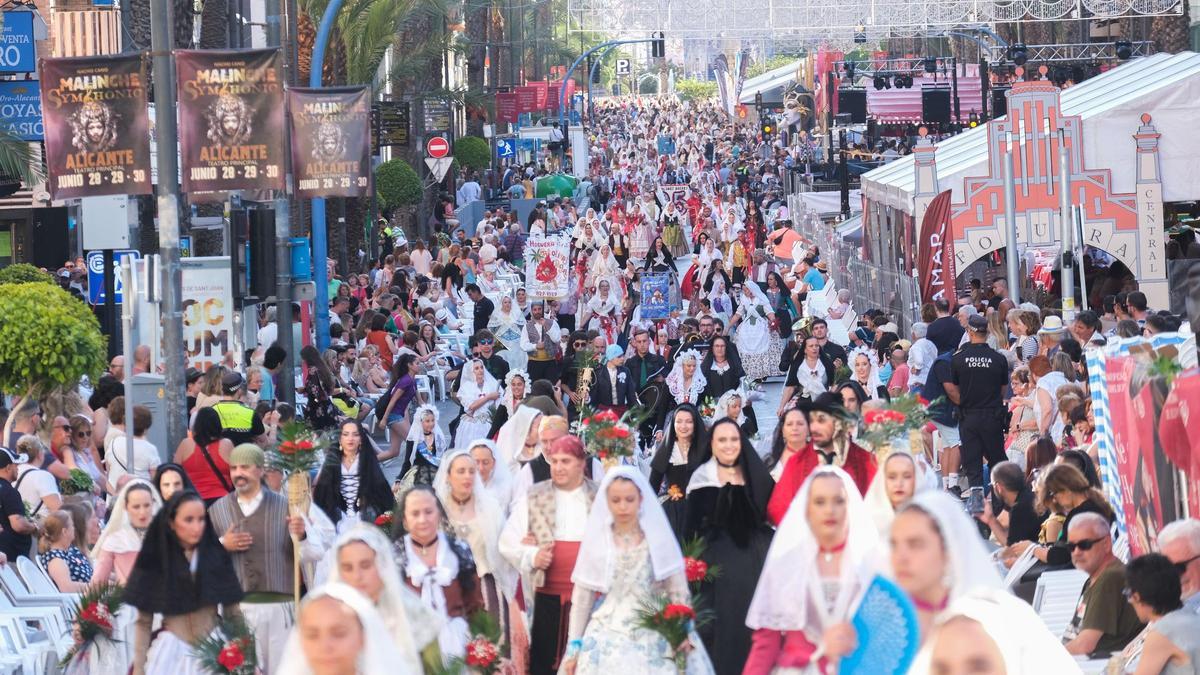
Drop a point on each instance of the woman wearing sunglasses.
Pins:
(1065, 490)
(80, 452)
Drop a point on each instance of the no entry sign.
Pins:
(437, 147)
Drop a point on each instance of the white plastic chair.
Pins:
(38, 580)
(19, 653)
(1056, 596)
(50, 618)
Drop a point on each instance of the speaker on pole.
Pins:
(854, 103)
(999, 101)
(935, 106)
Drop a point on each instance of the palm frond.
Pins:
(18, 158)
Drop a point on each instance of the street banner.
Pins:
(542, 90)
(1117, 373)
(506, 107)
(724, 84)
(207, 311)
(526, 98)
(331, 145)
(1179, 432)
(935, 251)
(231, 121)
(97, 126)
(547, 262)
(656, 296)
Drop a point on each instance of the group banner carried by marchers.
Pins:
(547, 262)
(656, 296)
(97, 128)
(331, 144)
(231, 120)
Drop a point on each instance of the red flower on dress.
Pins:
(481, 653)
(383, 519)
(231, 657)
(696, 570)
(678, 612)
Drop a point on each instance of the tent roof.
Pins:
(769, 80)
(1163, 85)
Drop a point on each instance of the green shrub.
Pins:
(473, 152)
(397, 184)
(23, 273)
(48, 339)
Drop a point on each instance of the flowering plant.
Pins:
(675, 622)
(883, 423)
(695, 569)
(297, 448)
(94, 618)
(607, 437)
(484, 653)
(228, 650)
(708, 407)
(384, 520)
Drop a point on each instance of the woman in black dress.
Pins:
(683, 448)
(722, 367)
(726, 506)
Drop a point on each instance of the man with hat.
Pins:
(239, 422)
(978, 376)
(1051, 335)
(541, 539)
(256, 527)
(829, 426)
(16, 538)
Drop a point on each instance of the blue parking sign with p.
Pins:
(95, 268)
(506, 148)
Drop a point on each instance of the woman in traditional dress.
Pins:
(603, 266)
(790, 439)
(659, 258)
(603, 312)
(423, 450)
(722, 367)
(339, 630)
(721, 302)
(117, 549)
(674, 224)
(684, 448)
(629, 556)
(185, 575)
(811, 377)
(363, 558)
(938, 556)
(478, 394)
(516, 387)
(734, 404)
(726, 506)
(476, 518)
(493, 473)
(865, 373)
(506, 324)
(754, 338)
(901, 475)
(350, 486)
(521, 302)
(822, 558)
(641, 231)
(436, 565)
(686, 382)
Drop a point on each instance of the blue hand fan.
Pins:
(888, 633)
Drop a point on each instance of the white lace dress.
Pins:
(612, 642)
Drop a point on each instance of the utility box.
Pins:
(150, 390)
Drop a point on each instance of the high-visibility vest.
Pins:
(235, 416)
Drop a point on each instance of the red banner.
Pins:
(506, 107)
(553, 90)
(935, 248)
(1118, 370)
(526, 98)
(542, 89)
(1176, 429)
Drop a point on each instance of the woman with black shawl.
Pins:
(722, 368)
(184, 574)
(726, 506)
(683, 449)
(351, 486)
(171, 478)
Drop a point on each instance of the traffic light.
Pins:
(658, 47)
(973, 120)
(758, 100)
(768, 127)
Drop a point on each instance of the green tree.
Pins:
(473, 152)
(23, 273)
(694, 90)
(49, 339)
(397, 184)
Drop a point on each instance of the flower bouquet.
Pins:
(295, 455)
(229, 650)
(893, 422)
(95, 621)
(384, 520)
(696, 570)
(485, 654)
(708, 407)
(674, 622)
(607, 437)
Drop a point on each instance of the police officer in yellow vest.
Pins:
(239, 422)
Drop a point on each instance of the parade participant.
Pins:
(541, 340)
(170, 478)
(423, 449)
(476, 518)
(726, 506)
(822, 557)
(541, 539)
(686, 383)
(436, 565)
(901, 475)
(117, 549)
(256, 528)
(350, 486)
(865, 373)
(674, 225)
(613, 388)
(185, 576)
(754, 337)
(338, 632)
(629, 556)
(517, 442)
(684, 448)
(791, 438)
(516, 389)
(478, 392)
(493, 473)
(722, 367)
(603, 312)
(363, 558)
(937, 555)
(508, 325)
(808, 378)
(829, 425)
(603, 266)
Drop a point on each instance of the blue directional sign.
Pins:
(506, 148)
(17, 53)
(95, 268)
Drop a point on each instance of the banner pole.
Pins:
(1010, 229)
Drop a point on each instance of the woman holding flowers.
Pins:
(683, 449)
(630, 559)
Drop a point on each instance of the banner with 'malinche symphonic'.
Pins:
(97, 128)
(231, 121)
(331, 141)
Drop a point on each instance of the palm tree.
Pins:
(19, 160)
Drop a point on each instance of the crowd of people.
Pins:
(425, 516)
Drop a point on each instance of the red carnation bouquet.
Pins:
(695, 569)
(95, 616)
(297, 448)
(485, 654)
(675, 622)
(607, 437)
(885, 423)
(384, 520)
(228, 650)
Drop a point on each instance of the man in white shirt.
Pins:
(542, 340)
(921, 356)
(541, 539)
(145, 456)
(469, 192)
